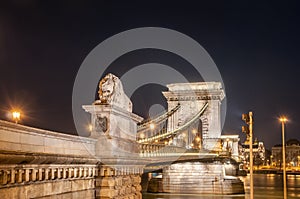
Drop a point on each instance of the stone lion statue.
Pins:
(111, 92)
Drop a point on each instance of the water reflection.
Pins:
(265, 186)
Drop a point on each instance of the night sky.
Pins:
(254, 45)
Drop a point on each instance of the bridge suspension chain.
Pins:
(176, 131)
(157, 120)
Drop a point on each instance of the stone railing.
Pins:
(157, 150)
(120, 170)
(20, 138)
(22, 174)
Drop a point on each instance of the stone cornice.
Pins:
(102, 108)
(195, 91)
(194, 95)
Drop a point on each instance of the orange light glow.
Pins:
(283, 119)
(16, 116)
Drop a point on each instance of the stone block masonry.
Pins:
(112, 185)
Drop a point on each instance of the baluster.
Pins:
(59, 173)
(4, 177)
(46, 174)
(53, 173)
(64, 173)
(85, 172)
(20, 175)
(40, 174)
(33, 175)
(27, 171)
(80, 172)
(12, 176)
(70, 174)
(94, 172)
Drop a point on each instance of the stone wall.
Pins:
(123, 183)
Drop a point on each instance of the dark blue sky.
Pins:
(254, 44)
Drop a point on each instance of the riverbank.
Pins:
(275, 171)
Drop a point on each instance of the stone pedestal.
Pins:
(115, 130)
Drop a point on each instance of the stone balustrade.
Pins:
(120, 170)
(22, 174)
(157, 150)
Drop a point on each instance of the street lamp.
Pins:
(16, 115)
(283, 120)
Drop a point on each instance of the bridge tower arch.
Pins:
(192, 97)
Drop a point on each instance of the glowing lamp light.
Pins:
(90, 127)
(152, 126)
(283, 119)
(142, 135)
(197, 139)
(194, 131)
(16, 115)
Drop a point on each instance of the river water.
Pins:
(266, 186)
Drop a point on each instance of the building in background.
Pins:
(259, 153)
(230, 146)
(292, 154)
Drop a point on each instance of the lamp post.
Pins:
(283, 120)
(248, 119)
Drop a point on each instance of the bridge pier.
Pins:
(206, 176)
(192, 97)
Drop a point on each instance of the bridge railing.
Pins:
(157, 150)
(17, 174)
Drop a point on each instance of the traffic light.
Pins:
(247, 118)
(245, 129)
